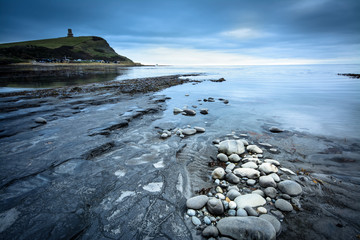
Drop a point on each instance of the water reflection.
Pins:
(32, 76)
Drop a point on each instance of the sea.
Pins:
(305, 98)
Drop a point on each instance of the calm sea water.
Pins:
(311, 98)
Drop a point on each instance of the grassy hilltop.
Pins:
(85, 48)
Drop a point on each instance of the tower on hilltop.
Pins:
(70, 34)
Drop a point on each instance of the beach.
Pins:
(91, 161)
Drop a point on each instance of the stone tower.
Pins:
(70, 34)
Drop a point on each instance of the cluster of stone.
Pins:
(249, 197)
(182, 132)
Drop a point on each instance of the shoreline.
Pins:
(100, 169)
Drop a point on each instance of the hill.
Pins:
(56, 49)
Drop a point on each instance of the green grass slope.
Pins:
(72, 47)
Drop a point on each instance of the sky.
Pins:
(198, 32)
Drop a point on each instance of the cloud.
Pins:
(244, 34)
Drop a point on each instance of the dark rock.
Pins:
(246, 228)
(215, 206)
(210, 231)
(275, 130)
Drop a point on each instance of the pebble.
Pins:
(222, 157)
(216, 141)
(251, 200)
(40, 120)
(273, 161)
(244, 227)
(231, 146)
(254, 149)
(199, 129)
(177, 110)
(273, 220)
(188, 131)
(270, 192)
(232, 194)
(189, 112)
(232, 212)
(207, 220)
(234, 158)
(273, 150)
(217, 181)
(241, 212)
(196, 221)
(218, 173)
(230, 166)
(290, 187)
(249, 165)
(268, 168)
(261, 210)
(275, 130)
(275, 177)
(210, 232)
(250, 211)
(258, 191)
(191, 212)
(197, 202)
(267, 181)
(288, 171)
(251, 182)
(265, 144)
(246, 172)
(232, 205)
(283, 205)
(218, 189)
(220, 196)
(285, 196)
(215, 206)
(164, 135)
(232, 178)
(204, 111)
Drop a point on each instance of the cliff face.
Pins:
(85, 48)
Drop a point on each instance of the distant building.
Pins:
(70, 34)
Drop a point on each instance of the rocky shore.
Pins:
(103, 161)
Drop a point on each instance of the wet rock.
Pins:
(218, 173)
(283, 205)
(268, 168)
(232, 178)
(164, 135)
(275, 177)
(40, 120)
(246, 172)
(207, 220)
(251, 182)
(287, 171)
(210, 231)
(191, 212)
(246, 228)
(231, 146)
(189, 112)
(265, 144)
(222, 157)
(273, 161)
(251, 200)
(196, 221)
(270, 192)
(273, 150)
(241, 212)
(230, 167)
(232, 212)
(177, 110)
(199, 129)
(261, 210)
(232, 194)
(250, 165)
(232, 205)
(216, 141)
(197, 202)
(254, 149)
(188, 131)
(273, 220)
(267, 181)
(260, 192)
(204, 111)
(275, 130)
(250, 211)
(234, 158)
(215, 206)
(290, 187)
